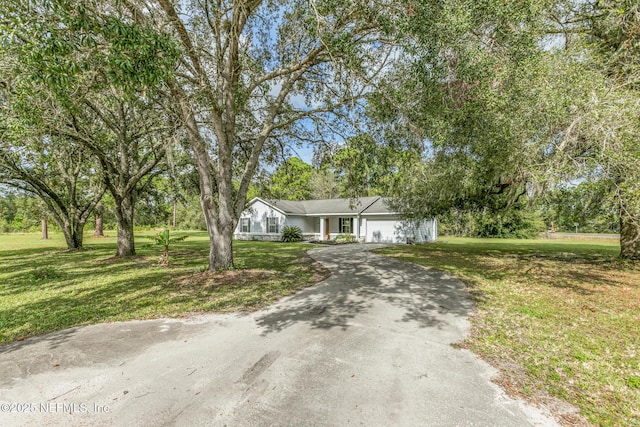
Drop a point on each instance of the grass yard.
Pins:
(44, 288)
(559, 318)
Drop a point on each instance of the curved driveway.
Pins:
(371, 345)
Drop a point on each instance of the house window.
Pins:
(345, 225)
(273, 225)
(245, 225)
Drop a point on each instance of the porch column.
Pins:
(364, 226)
(356, 227)
(322, 231)
(435, 229)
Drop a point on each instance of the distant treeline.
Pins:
(22, 213)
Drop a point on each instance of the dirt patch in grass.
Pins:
(258, 288)
(215, 279)
(559, 320)
(320, 272)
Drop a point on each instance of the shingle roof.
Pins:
(288, 206)
(380, 206)
(331, 206)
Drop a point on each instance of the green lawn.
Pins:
(559, 318)
(44, 288)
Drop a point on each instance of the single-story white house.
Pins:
(368, 219)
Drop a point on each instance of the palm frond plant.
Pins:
(163, 239)
(291, 233)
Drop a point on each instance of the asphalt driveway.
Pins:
(370, 346)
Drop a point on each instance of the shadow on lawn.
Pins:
(581, 273)
(21, 260)
(43, 272)
(139, 297)
(582, 278)
(360, 283)
(66, 290)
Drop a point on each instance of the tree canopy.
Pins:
(518, 98)
(473, 106)
(292, 180)
(85, 76)
(254, 76)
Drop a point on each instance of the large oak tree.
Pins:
(95, 77)
(56, 171)
(256, 75)
(515, 98)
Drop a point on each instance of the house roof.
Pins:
(380, 206)
(360, 205)
(287, 206)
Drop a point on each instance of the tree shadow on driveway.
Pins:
(365, 287)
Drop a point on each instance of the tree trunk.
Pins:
(214, 185)
(124, 216)
(220, 251)
(78, 234)
(99, 232)
(629, 235)
(73, 235)
(175, 213)
(220, 237)
(45, 229)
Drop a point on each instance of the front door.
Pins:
(326, 229)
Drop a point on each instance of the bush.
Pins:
(345, 238)
(457, 223)
(291, 233)
(518, 224)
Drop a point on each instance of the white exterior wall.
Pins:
(305, 223)
(426, 231)
(333, 226)
(363, 229)
(387, 229)
(258, 214)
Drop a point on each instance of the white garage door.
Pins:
(385, 231)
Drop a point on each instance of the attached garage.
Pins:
(385, 231)
(399, 231)
(382, 225)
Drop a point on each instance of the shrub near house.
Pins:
(291, 233)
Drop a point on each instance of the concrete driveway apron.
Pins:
(371, 345)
